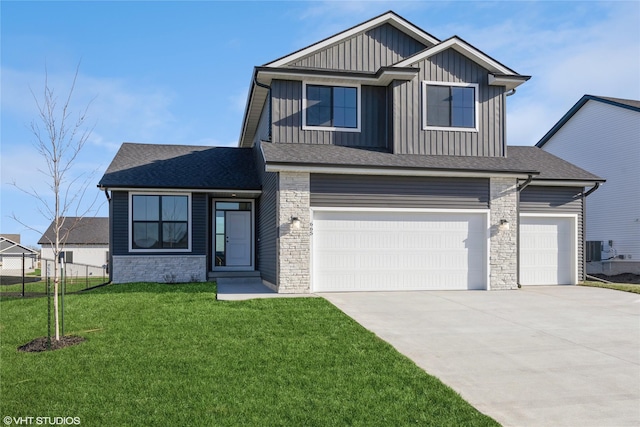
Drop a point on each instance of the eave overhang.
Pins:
(510, 82)
(392, 170)
(383, 77)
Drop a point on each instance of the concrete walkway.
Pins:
(539, 356)
(240, 289)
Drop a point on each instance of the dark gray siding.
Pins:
(534, 199)
(120, 225)
(287, 118)
(262, 133)
(378, 47)
(398, 192)
(267, 232)
(448, 66)
(200, 224)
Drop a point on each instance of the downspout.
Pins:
(525, 184)
(267, 87)
(520, 188)
(511, 92)
(106, 194)
(594, 188)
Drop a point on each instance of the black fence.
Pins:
(27, 275)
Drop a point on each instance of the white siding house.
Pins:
(85, 244)
(602, 135)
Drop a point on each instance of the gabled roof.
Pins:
(500, 75)
(82, 231)
(628, 104)
(9, 246)
(181, 167)
(332, 158)
(389, 17)
(463, 48)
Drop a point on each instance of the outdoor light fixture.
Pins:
(504, 225)
(295, 222)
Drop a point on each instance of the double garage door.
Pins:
(399, 250)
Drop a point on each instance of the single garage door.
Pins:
(547, 250)
(393, 251)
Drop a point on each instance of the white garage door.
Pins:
(547, 250)
(391, 251)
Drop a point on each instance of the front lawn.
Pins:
(626, 287)
(161, 354)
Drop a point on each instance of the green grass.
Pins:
(161, 354)
(626, 287)
(40, 286)
(36, 272)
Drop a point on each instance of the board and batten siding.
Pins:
(605, 140)
(398, 192)
(557, 200)
(120, 225)
(267, 223)
(262, 132)
(448, 66)
(379, 47)
(287, 118)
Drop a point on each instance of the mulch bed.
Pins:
(40, 344)
(620, 278)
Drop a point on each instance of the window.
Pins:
(331, 107)
(159, 222)
(450, 106)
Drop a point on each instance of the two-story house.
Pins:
(375, 159)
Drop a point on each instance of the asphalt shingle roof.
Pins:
(519, 160)
(182, 166)
(84, 231)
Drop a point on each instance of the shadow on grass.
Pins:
(155, 288)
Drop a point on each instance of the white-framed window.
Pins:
(159, 222)
(450, 106)
(330, 107)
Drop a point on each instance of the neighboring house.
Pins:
(11, 253)
(375, 159)
(85, 245)
(602, 135)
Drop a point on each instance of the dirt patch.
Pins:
(620, 278)
(40, 344)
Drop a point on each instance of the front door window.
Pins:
(233, 234)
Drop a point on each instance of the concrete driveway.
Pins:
(539, 356)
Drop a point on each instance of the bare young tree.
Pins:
(59, 138)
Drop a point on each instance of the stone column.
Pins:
(503, 256)
(294, 250)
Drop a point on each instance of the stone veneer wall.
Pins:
(503, 256)
(159, 268)
(294, 252)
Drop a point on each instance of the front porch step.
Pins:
(213, 275)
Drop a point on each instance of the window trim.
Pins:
(476, 106)
(331, 128)
(130, 222)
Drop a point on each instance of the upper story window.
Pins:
(450, 106)
(159, 222)
(335, 108)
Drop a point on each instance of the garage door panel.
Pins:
(547, 250)
(398, 251)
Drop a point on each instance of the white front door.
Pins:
(238, 238)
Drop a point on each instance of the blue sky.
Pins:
(178, 72)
